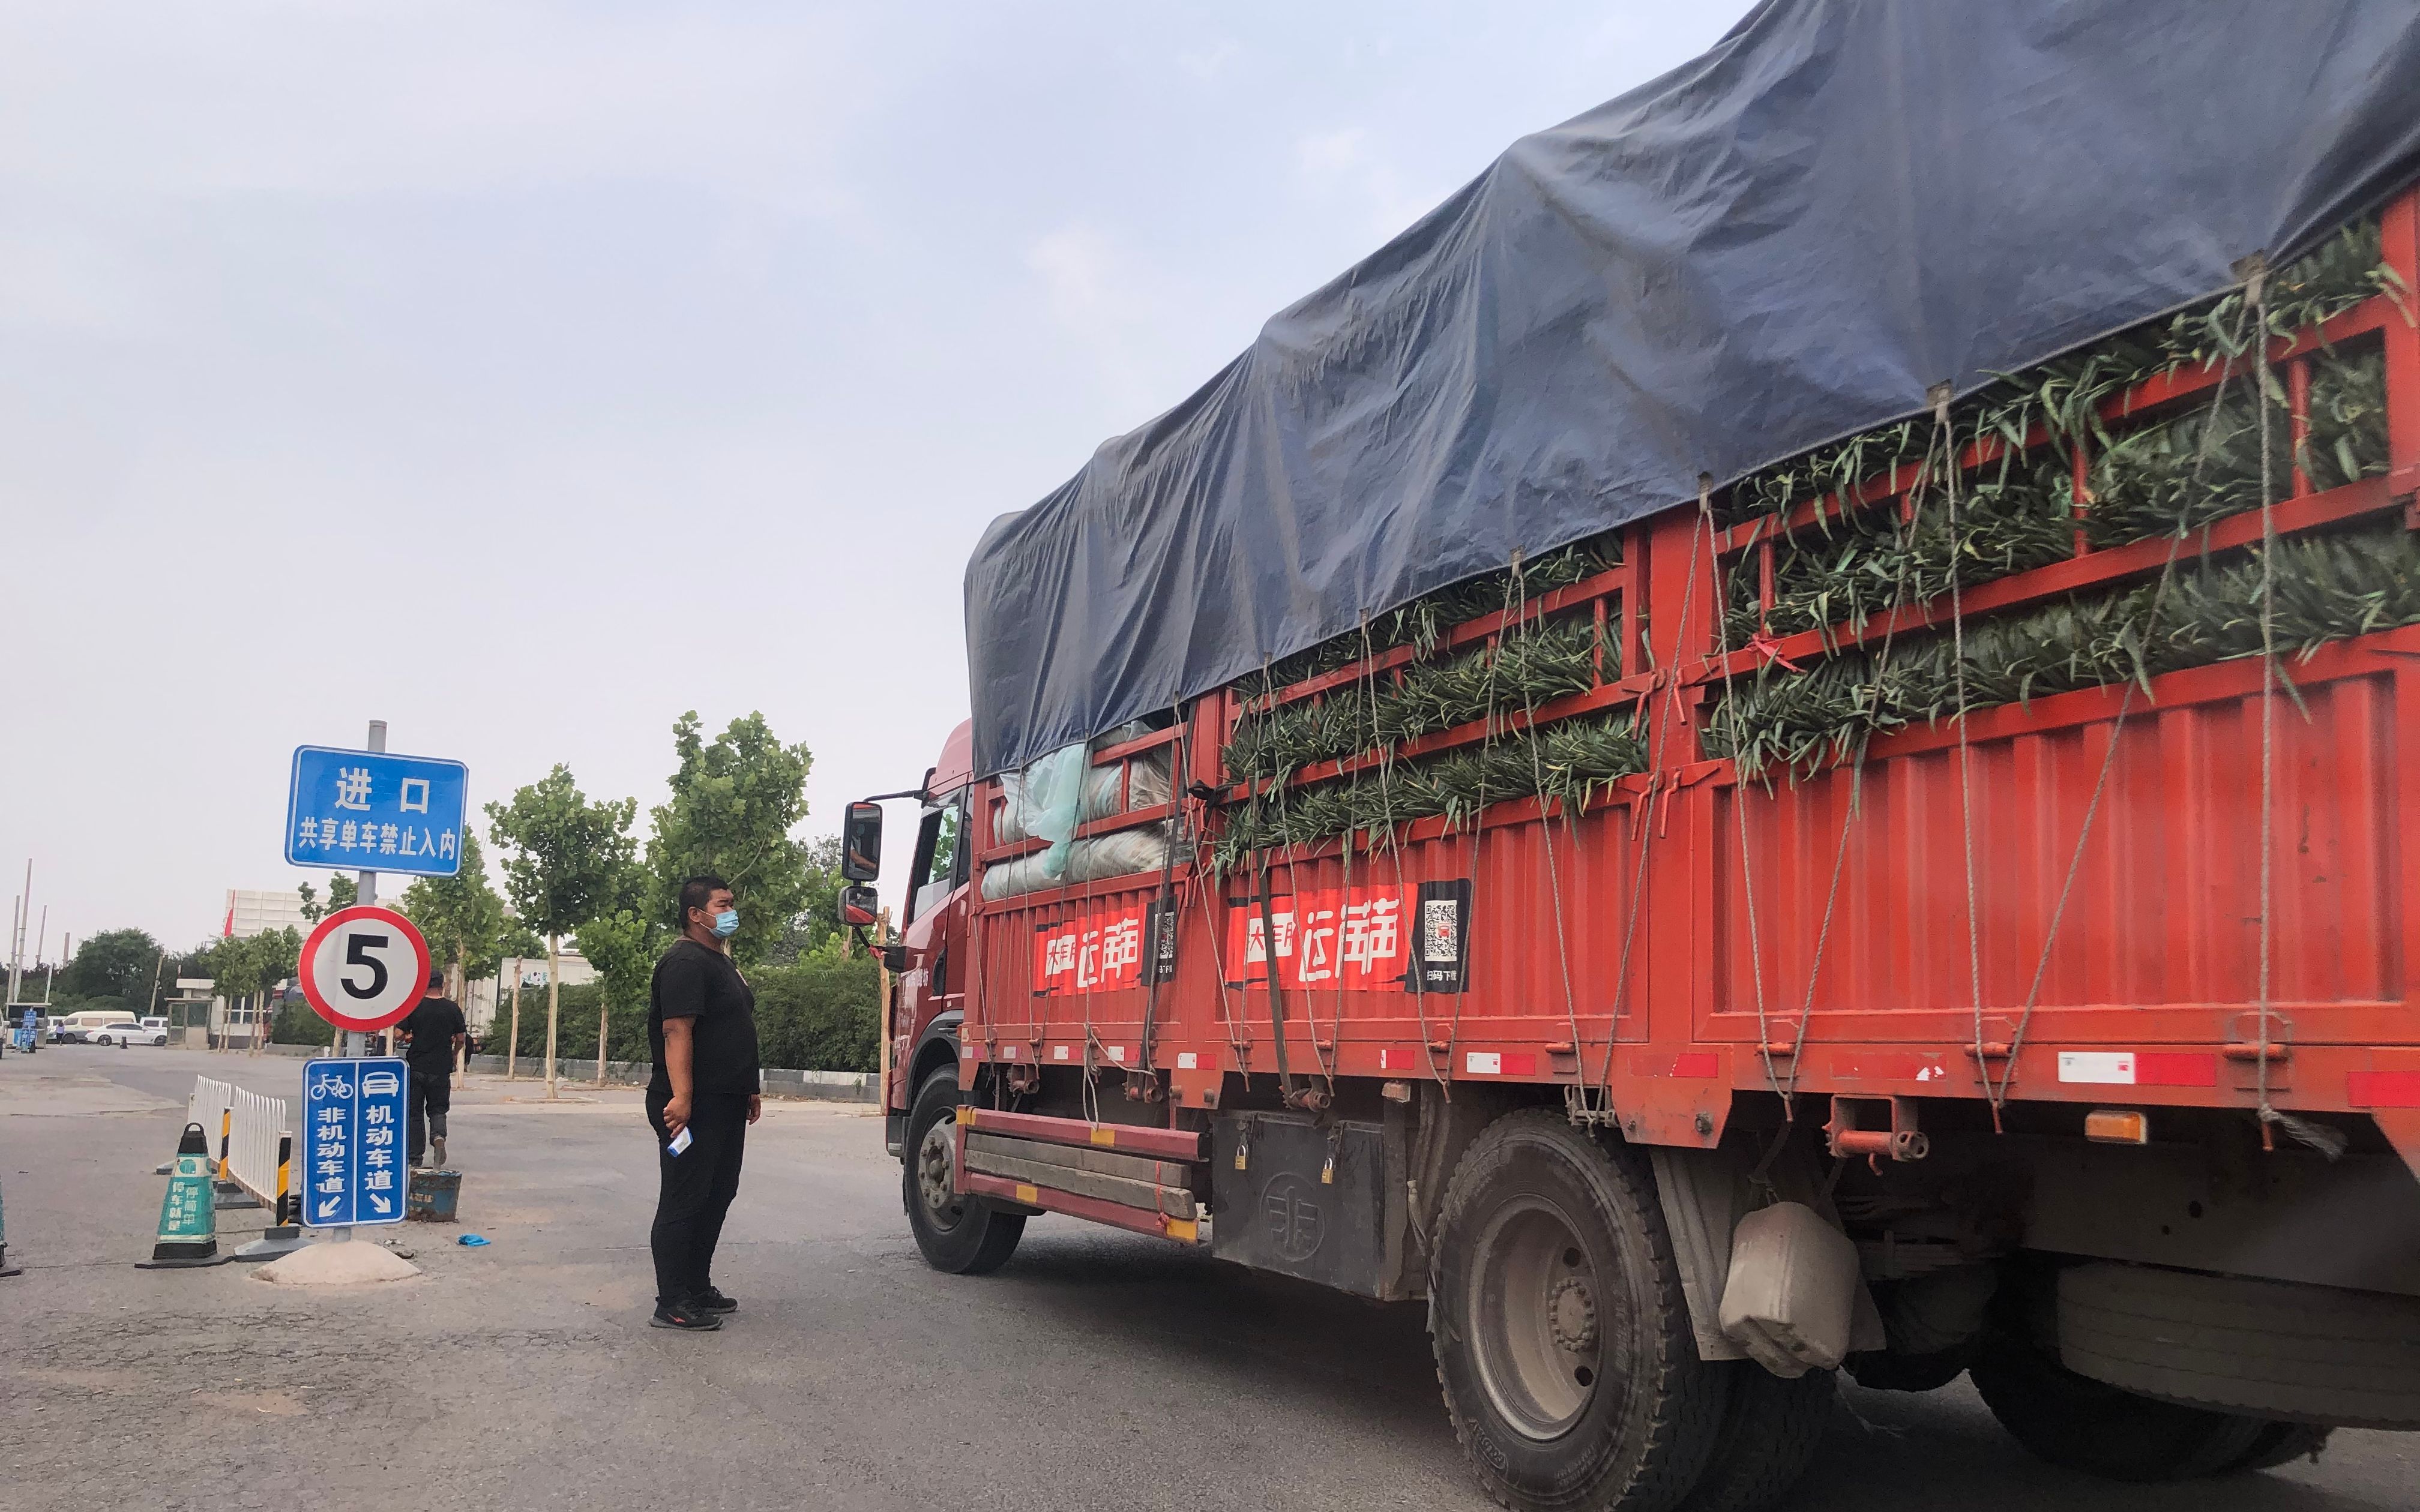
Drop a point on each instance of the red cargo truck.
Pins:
(2067, 1038)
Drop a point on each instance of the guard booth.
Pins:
(189, 1009)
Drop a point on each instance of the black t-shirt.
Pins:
(693, 982)
(432, 1027)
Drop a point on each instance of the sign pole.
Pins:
(365, 883)
(364, 891)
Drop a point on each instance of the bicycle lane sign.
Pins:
(353, 1145)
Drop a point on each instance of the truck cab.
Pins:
(923, 991)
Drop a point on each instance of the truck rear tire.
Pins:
(958, 1234)
(2282, 1444)
(2084, 1424)
(1562, 1338)
(1772, 1429)
(2269, 1349)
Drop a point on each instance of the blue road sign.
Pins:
(366, 810)
(353, 1141)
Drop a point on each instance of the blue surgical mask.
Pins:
(726, 923)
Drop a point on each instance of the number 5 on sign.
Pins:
(363, 967)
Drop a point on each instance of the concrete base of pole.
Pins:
(353, 1262)
(283, 1239)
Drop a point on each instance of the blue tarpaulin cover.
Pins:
(1788, 241)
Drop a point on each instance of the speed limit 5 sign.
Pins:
(363, 968)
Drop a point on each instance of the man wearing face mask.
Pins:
(702, 1030)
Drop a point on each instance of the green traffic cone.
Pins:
(189, 1214)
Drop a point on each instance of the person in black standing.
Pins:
(431, 1032)
(702, 1032)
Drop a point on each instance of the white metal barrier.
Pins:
(251, 1138)
(208, 1106)
(259, 1144)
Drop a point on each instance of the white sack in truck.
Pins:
(1791, 1294)
(1120, 854)
(1037, 793)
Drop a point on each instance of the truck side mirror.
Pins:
(861, 843)
(858, 907)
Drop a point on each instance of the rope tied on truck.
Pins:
(1310, 1098)
(1164, 920)
(1576, 1100)
(2256, 292)
(2232, 343)
(1945, 436)
(2329, 1142)
(1546, 822)
(1442, 1069)
(1738, 812)
(1270, 942)
(1903, 531)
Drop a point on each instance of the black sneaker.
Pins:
(686, 1316)
(713, 1301)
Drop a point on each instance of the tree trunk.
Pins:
(600, 1033)
(462, 1000)
(553, 1007)
(513, 1045)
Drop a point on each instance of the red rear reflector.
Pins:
(2383, 1088)
(2172, 1068)
(1696, 1065)
(2118, 1126)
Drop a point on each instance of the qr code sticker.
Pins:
(1440, 930)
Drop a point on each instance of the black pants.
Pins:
(432, 1093)
(698, 1186)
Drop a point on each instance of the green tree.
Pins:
(518, 944)
(818, 920)
(818, 1013)
(460, 916)
(276, 959)
(735, 801)
(343, 892)
(117, 964)
(623, 943)
(563, 858)
(250, 968)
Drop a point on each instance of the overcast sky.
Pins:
(525, 375)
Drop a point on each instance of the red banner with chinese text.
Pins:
(1098, 952)
(1328, 940)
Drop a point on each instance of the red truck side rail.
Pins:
(1685, 937)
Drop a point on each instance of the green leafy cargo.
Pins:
(2142, 481)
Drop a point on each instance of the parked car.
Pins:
(126, 1032)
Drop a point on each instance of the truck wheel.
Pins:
(2269, 1349)
(2282, 1444)
(1772, 1429)
(961, 1235)
(2080, 1424)
(1561, 1335)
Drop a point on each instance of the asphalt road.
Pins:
(1096, 1370)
